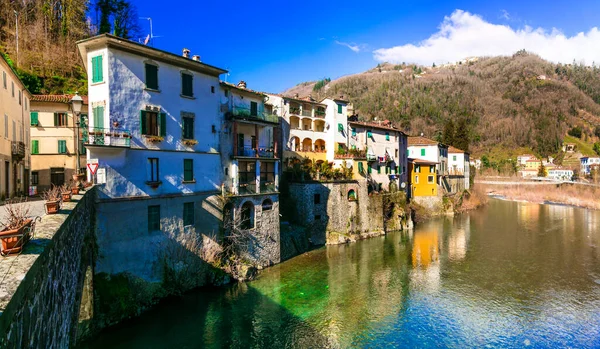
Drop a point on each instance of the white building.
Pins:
(587, 163)
(560, 174)
(336, 125)
(384, 149)
(522, 159)
(155, 126)
(459, 164)
(432, 151)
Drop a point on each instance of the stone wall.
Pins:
(333, 215)
(42, 288)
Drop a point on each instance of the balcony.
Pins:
(18, 149)
(244, 113)
(320, 113)
(350, 154)
(306, 112)
(256, 153)
(107, 137)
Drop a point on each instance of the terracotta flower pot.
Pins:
(66, 196)
(75, 191)
(14, 240)
(79, 177)
(52, 207)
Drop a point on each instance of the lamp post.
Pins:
(76, 104)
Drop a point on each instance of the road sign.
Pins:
(101, 177)
(92, 161)
(93, 168)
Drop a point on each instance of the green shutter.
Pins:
(62, 147)
(35, 148)
(339, 108)
(253, 108)
(387, 136)
(99, 117)
(97, 69)
(34, 118)
(378, 168)
(423, 152)
(55, 119)
(143, 129)
(188, 170)
(341, 127)
(353, 131)
(361, 168)
(187, 85)
(163, 124)
(369, 168)
(369, 134)
(151, 76)
(188, 213)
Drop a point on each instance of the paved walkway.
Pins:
(36, 208)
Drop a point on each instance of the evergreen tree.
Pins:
(448, 135)
(461, 135)
(542, 170)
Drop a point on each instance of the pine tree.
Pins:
(542, 170)
(461, 135)
(448, 135)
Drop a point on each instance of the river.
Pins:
(510, 275)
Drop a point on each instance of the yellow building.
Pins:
(422, 178)
(54, 144)
(14, 129)
(533, 164)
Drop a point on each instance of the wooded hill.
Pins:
(505, 103)
(48, 61)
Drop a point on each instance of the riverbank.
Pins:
(565, 195)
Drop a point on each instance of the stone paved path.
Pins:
(36, 208)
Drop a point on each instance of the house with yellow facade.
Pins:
(422, 178)
(57, 151)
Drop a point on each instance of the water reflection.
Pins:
(510, 275)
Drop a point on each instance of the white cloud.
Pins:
(463, 34)
(353, 47)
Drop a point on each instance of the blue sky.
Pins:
(273, 45)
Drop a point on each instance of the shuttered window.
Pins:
(339, 108)
(369, 134)
(253, 108)
(188, 170)
(60, 119)
(188, 213)
(151, 76)
(97, 74)
(62, 147)
(35, 147)
(153, 218)
(99, 117)
(34, 118)
(188, 127)
(187, 86)
(387, 136)
(340, 127)
(353, 131)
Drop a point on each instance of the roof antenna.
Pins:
(150, 38)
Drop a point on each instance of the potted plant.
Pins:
(155, 139)
(75, 189)
(17, 227)
(65, 193)
(52, 197)
(190, 142)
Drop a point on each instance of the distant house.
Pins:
(522, 159)
(458, 165)
(587, 163)
(560, 174)
(569, 147)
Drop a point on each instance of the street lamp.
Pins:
(76, 104)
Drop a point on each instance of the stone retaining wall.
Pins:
(42, 288)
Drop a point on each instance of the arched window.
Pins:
(247, 216)
(267, 205)
(351, 195)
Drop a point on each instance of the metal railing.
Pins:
(267, 187)
(259, 115)
(247, 188)
(306, 112)
(18, 149)
(252, 153)
(108, 137)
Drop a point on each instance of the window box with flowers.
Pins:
(189, 142)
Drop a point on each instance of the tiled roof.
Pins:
(56, 98)
(241, 88)
(452, 149)
(533, 160)
(421, 141)
(371, 125)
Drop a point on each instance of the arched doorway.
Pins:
(307, 144)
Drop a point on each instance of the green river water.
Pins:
(510, 275)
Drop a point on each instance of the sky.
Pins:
(274, 45)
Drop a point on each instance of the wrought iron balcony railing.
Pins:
(107, 137)
(18, 149)
(252, 153)
(246, 113)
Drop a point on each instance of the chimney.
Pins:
(196, 58)
(186, 53)
(296, 95)
(241, 84)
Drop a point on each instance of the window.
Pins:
(34, 118)
(267, 205)
(387, 136)
(431, 168)
(188, 170)
(188, 213)
(13, 88)
(35, 178)
(153, 170)
(98, 117)
(35, 147)
(4, 79)
(430, 179)
(5, 125)
(60, 119)
(267, 174)
(353, 131)
(20, 98)
(423, 152)
(153, 123)
(247, 172)
(14, 135)
(317, 199)
(151, 76)
(153, 218)
(340, 108)
(341, 128)
(62, 147)
(378, 169)
(212, 89)
(369, 168)
(187, 85)
(82, 150)
(97, 74)
(417, 168)
(247, 216)
(453, 157)
(416, 179)
(57, 176)
(253, 108)
(369, 134)
(187, 121)
(351, 195)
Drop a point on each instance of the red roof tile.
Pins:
(421, 141)
(56, 98)
(372, 125)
